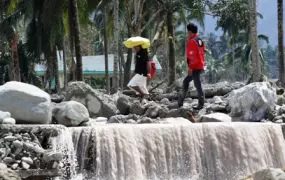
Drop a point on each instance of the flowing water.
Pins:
(213, 151)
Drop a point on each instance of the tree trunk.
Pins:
(155, 43)
(75, 23)
(281, 71)
(55, 69)
(64, 65)
(1, 19)
(71, 43)
(16, 66)
(128, 66)
(106, 52)
(254, 42)
(172, 68)
(116, 45)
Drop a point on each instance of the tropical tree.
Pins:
(254, 41)
(281, 74)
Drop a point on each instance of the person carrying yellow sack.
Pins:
(144, 68)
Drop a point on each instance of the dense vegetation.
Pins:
(32, 31)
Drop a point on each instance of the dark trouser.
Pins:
(197, 83)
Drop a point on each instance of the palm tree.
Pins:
(281, 74)
(171, 7)
(254, 41)
(76, 28)
(106, 51)
(116, 44)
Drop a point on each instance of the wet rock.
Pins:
(252, 102)
(25, 165)
(11, 121)
(8, 160)
(216, 117)
(123, 105)
(15, 166)
(71, 113)
(26, 103)
(98, 104)
(280, 100)
(178, 120)
(17, 144)
(153, 111)
(146, 120)
(8, 174)
(52, 156)
(10, 138)
(130, 121)
(27, 160)
(165, 101)
(268, 174)
(137, 108)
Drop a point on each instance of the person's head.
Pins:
(192, 29)
(138, 48)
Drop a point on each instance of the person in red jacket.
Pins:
(196, 61)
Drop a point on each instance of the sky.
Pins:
(266, 26)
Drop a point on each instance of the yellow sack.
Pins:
(136, 41)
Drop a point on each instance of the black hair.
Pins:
(193, 28)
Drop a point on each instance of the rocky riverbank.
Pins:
(28, 148)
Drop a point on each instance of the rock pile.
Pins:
(23, 151)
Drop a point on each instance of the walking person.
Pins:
(196, 61)
(142, 72)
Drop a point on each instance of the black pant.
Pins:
(197, 83)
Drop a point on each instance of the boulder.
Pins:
(123, 105)
(216, 117)
(70, 113)
(252, 102)
(97, 103)
(137, 108)
(280, 100)
(8, 174)
(26, 103)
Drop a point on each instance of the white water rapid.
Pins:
(213, 151)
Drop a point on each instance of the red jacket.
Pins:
(195, 53)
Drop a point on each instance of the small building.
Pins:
(93, 67)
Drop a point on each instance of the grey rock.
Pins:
(9, 121)
(71, 113)
(146, 120)
(137, 108)
(165, 101)
(17, 144)
(15, 166)
(123, 105)
(280, 100)
(8, 174)
(153, 111)
(33, 147)
(216, 117)
(26, 103)
(52, 156)
(25, 165)
(130, 121)
(269, 174)
(279, 121)
(178, 120)
(98, 104)
(27, 160)
(8, 160)
(10, 138)
(252, 102)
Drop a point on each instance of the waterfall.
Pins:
(63, 144)
(209, 151)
